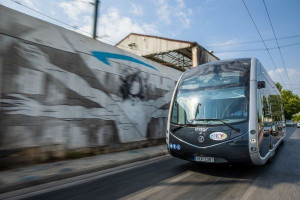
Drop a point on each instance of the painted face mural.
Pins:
(133, 85)
(56, 96)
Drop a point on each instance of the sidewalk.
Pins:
(43, 173)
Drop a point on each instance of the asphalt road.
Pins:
(172, 178)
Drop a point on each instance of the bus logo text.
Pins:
(200, 129)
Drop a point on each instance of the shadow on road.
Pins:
(284, 169)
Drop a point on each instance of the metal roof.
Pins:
(176, 54)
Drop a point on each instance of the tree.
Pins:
(291, 102)
(296, 118)
(279, 87)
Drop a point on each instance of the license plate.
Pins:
(204, 159)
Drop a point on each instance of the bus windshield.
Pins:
(213, 92)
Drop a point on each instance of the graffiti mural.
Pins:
(68, 89)
(133, 86)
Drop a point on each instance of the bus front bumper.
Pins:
(233, 150)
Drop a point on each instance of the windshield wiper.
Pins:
(182, 126)
(213, 119)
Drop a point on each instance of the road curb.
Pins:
(57, 177)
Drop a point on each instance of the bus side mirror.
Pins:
(261, 84)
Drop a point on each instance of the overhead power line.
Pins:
(277, 43)
(81, 1)
(274, 65)
(251, 42)
(114, 43)
(74, 27)
(259, 49)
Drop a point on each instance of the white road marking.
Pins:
(69, 182)
(147, 192)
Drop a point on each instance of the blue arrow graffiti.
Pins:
(103, 57)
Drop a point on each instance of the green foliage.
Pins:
(279, 87)
(275, 103)
(296, 118)
(291, 102)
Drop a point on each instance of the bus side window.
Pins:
(262, 100)
(259, 107)
(259, 94)
(174, 118)
(181, 115)
(266, 107)
(275, 107)
(178, 115)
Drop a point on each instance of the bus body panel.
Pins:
(260, 153)
(253, 136)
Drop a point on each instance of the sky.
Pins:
(217, 25)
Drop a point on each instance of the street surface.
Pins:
(171, 178)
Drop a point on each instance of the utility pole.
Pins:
(96, 4)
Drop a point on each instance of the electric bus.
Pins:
(219, 110)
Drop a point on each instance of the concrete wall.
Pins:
(60, 87)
